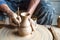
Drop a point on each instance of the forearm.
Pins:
(32, 6)
(6, 9)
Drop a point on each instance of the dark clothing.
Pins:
(44, 11)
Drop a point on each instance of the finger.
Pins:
(32, 24)
(31, 21)
(12, 23)
(16, 21)
(19, 19)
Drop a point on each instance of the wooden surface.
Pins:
(41, 33)
(56, 33)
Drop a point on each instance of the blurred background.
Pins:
(56, 5)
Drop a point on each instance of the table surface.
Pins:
(56, 32)
(41, 33)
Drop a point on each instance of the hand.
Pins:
(32, 23)
(16, 19)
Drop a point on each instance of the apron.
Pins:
(13, 5)
(44, 10)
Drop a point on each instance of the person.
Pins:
(40, 8)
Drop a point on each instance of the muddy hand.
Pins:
(32, 24)
(16, 19)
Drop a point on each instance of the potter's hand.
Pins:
(32, 23)
(16, 19)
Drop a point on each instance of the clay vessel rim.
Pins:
(24, 14)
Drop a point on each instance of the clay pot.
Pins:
(25, 28)
(58, 22)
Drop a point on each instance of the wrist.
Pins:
(10, 13)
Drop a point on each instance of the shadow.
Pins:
(8, 26)
(16, 33)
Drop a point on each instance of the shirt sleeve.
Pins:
(2, 2)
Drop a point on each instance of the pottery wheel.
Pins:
(41, 33)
